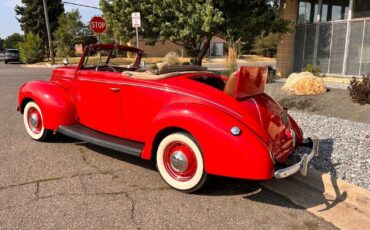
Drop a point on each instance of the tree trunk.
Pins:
(204, 46)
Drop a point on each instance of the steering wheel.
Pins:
(105, 66)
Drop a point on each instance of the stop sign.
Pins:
(98, 25)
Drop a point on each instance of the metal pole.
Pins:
(348, 37)
(317, 34)
(137, 37)
(48, 31)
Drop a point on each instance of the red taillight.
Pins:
(288, 134)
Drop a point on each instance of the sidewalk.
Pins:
(341, 126)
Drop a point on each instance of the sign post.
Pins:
(98, 26)
(136, 23)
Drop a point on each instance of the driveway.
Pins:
(66, 184)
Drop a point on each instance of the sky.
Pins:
(10, 24)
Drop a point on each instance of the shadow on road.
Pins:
(254, 190)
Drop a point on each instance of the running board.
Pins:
(104, 140)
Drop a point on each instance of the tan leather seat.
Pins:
(231, 84)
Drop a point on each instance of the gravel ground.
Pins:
(344, 146)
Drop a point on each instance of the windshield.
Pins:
(112, 60)
(12, 51)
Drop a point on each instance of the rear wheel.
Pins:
(33, 122)
(180, 162)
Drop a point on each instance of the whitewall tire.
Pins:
(33, 122)
(180, 162)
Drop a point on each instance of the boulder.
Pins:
(304, 83)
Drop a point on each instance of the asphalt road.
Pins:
(66, 184)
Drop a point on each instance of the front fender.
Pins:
(244, 156)
(55, 104)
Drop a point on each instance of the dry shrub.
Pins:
(231, 59)
(171, 58)
(359, 89)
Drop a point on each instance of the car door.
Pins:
(99, 96)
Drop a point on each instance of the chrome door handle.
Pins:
(115, 89)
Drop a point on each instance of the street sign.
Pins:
(136, 21)
(98, 25)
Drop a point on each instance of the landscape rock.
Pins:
(304, 83)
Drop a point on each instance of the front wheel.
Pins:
(33, 122)
(180, 162)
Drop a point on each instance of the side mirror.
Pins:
(65, 61)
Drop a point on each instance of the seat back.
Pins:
(246, 82)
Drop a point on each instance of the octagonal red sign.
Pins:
(98, 25)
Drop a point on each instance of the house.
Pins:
(162, 47)
(332, 34)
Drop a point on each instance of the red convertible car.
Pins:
(193, 123)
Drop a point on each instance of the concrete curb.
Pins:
(41, 66)
(345, 205)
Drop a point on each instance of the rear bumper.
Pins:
(303, 163)
(11, 59)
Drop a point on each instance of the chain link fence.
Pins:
(324, 44)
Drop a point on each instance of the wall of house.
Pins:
(161, 48)
(284, 59)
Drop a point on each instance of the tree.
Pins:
(249, 19)
(266, 45)
(86, 36)
(31, 50)
(190, 23)
(1, 44)
(70, 26)
(32, 18)
(11, 42)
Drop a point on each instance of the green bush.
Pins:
(31, 50)
(359, 90)
(266, 45)
(314, 69)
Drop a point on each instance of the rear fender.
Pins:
(56, 105)
(297, 130)
(243, 156)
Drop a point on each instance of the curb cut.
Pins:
(344, 205)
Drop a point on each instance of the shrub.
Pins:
(31, 50)
(171, 58)
(359, 89)
(314, 69)
(266, 45)
(231, 60)
(233, 54)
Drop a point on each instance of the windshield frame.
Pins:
(111, 47)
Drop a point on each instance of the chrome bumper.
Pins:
(300, 166)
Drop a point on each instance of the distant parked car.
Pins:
(11, 55)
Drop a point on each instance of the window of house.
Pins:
(307, 11)
(361, 8)
(333, 10)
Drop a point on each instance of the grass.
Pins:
(253, 58)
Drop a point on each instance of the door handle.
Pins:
(115, 89)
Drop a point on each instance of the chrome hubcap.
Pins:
(179, 161)
(34, 121)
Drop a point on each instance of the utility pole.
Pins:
(48, 30)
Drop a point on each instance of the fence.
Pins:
(324, 44)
